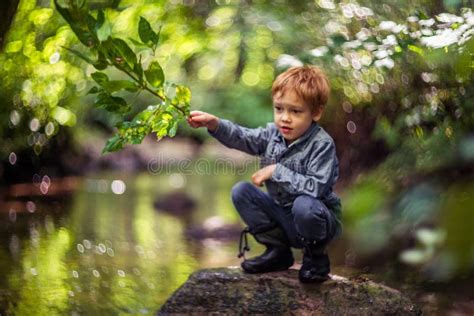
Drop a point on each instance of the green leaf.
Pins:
(116, 85)
(78, 27)
(102, 27)
(161, 93)
(100, 78)
(138, 69)
(79, 54)
(93, 90)
(154, 75)
(137, 137)
(79, 3)
(338, 39)
(111, 103)
(146, 33)
(123, 126)
(183, 95)
(138, 44)
(162, 130)
(416, 49)
(173, 129)
(101, 62)
(142, 116)
(122, 50)
(100, 20)
(113, 144)
(159, 125)
(64, 13)
(91, 23)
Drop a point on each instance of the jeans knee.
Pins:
(306, 208)
(241, 190)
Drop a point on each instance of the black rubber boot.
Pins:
(277, 256)
(316, 266)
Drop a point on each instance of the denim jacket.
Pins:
(307, 166)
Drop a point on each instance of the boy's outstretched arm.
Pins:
(253, 141)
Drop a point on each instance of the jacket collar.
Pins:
(312, 130)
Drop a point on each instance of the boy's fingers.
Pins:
(199, 118)
(255, 179)
(195, 113)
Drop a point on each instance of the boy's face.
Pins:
(292, 115)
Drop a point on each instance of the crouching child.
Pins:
(299, 168)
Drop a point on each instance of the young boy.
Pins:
(299, 169)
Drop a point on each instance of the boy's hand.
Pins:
(263, 174)
(202, 119)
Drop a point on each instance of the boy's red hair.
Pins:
(309, 83)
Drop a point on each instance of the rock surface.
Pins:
(230, 291)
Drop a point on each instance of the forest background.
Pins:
(401, 108)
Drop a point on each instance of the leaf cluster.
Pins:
(107, 51)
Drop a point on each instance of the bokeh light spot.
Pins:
(118, 187)
(351, 127)
(34, 125)
(177, 180)
(15, 117)
(54, 58)
(12, 158)
(30, 206)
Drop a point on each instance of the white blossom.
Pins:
(327, 4)
(469, 17)
(319, 51)
(386, 62)
(449, 18)
(363, 34)
(370, 46)
(427, 23)
(285, 61)
(381, 54)
(352, 44)
(400, 28)
(387, 25)
(391, 40)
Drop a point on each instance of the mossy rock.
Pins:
(230, 291)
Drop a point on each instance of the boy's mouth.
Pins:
(285, 129)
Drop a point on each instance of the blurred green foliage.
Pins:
(400, 72)
(389, 57)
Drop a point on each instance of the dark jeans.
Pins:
(307, 217)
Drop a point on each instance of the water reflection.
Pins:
(123, 243)
(105, 248)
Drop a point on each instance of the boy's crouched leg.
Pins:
(255, 207)
(277, 256)
(315, 225)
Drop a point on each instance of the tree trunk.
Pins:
(7, 12)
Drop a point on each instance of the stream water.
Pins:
(105, 248)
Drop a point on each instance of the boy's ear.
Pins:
(317, 113)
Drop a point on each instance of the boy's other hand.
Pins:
(198, 119)
(263, 174)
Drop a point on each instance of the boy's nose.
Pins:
(285, 117)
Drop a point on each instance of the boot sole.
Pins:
(253, 271)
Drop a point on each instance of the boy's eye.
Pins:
(277, 108)
(296, 111)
